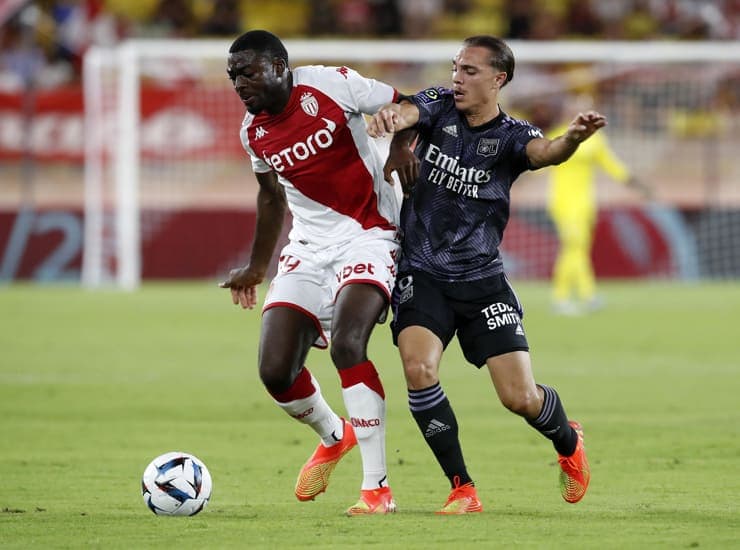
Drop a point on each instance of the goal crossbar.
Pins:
(126, 60)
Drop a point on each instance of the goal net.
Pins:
(169, 191)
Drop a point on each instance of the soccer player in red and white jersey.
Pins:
(306, 135)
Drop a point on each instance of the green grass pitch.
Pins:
(93, 385)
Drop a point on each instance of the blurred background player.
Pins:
(573, 207)
(305, 133)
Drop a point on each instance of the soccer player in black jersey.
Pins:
(450, 276)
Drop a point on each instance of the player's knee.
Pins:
(348, 349)
(523, 403)
(419, 374)
(276, 378)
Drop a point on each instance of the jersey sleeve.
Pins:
(523, 133)
(357, 93)
(430, 102)
(259, 166)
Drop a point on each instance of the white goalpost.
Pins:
(161, 136)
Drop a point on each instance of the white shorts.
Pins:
(309, 276)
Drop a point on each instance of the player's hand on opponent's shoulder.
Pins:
(584, 125)
(384, 121)
(243, 285)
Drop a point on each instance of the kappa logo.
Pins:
(309, 104)
(487, 147)
(435, 427)
(260, 132)
(344, 71)
(450, 130)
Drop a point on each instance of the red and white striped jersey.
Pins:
(319, 148)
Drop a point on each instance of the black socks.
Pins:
(436, 420)
(552, 422)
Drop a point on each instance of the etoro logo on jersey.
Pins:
(323, 138)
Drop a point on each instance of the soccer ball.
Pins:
(176, 484)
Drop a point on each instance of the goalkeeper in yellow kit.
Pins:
(572, 207)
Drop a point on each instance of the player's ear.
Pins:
(278, 66)
(499, 80)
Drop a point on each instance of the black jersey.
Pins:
(454, 220)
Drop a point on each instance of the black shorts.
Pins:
(486, 314)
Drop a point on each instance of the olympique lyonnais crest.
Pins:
(488, 147)
(309, 104)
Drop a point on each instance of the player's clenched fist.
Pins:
(385, 121)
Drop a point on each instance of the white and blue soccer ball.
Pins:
(176, 484)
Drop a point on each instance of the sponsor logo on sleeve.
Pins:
(428, 96)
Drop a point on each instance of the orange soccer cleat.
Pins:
(463, 499)
(373, 501)
(575, 472)
(314, 476)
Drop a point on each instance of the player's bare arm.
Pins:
(271, 207)
(393, 117)
(545, 152)
(402, 160)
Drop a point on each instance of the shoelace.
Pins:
(457, 489)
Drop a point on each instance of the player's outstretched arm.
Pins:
(545, 152)
(271, 207)
(393, 117)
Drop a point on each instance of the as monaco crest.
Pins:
(309, 104)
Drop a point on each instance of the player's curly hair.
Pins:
(260, 41)
(502, 58)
